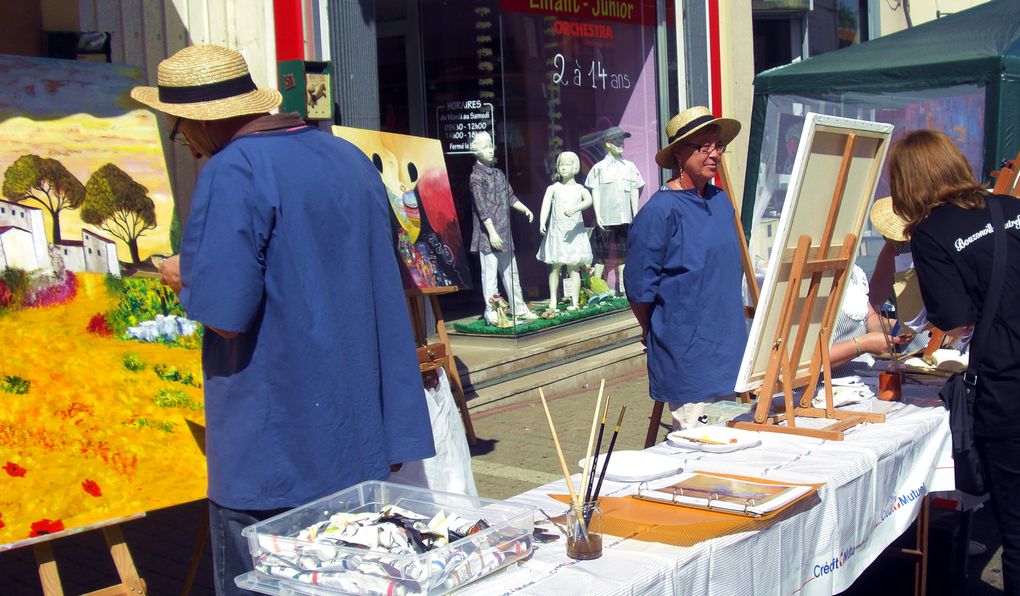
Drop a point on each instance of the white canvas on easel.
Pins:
(817, 164)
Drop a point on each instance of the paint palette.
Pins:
(713, 439)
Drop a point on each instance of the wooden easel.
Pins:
(752, 290)
(809, 264)
(441, 355)
(1006, 177)
(130, 582)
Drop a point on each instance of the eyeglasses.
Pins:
(707, 148)
(178, 136)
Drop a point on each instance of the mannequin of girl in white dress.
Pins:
(565, 240)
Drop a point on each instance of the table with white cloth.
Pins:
(875, 481)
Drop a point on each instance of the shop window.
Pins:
(541, 82)
(835, 24)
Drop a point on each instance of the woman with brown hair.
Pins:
(949, 220)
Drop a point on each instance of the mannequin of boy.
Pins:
(567, 166)
(604, 217)
(492, 194)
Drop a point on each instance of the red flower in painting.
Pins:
(6, 296)
(14, 469)
(46, 526)
(99, 326)
(2, 524)
(92, 488)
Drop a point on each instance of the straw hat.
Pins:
(687, 123)
(886, 222)
(206, 82)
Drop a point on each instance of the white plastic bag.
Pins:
(450, 469)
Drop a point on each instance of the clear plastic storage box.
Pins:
(285, 564)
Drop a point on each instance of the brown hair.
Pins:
(927, 169)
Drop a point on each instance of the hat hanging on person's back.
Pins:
(206, 82)
(689, 122)
(886, 221)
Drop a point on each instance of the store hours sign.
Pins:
(459, 121)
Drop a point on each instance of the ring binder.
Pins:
(726, 494)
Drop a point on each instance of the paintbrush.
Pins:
(588, 463)
(598, 448)
(886, 332)
(609, 453)
(574, 501)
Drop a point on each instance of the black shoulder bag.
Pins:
(960, 390)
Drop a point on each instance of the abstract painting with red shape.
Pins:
(14, 469)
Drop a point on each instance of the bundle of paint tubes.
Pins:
(392, 551)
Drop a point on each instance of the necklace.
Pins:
(681, 182)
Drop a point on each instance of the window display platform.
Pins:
(496, 370)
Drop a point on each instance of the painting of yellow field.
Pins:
(101, 409)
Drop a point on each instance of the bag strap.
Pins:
(991, 304)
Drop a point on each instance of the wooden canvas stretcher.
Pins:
(801, 298)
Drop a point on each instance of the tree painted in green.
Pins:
(118, 205)
(46, 181)
(175, 233)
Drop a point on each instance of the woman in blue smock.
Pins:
(683, 274)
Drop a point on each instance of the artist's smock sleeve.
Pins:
(942, 288)
(647, 244)
(223, 247)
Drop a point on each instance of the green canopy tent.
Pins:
(959, 74)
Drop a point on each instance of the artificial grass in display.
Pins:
(480, 327)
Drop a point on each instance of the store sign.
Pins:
(459, 121)
(636, 12)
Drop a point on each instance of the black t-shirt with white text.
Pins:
(952, 252)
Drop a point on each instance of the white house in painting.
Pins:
(100, 254)
(73, 254)
(91, 254)
(23, 244)
(28, 220)
(17, 249)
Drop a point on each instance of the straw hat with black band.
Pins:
(206, 82)
(886, 221)
(688, 122)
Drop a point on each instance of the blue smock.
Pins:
(683, 257)
(289, 245)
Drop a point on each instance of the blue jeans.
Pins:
(1000, 461)
(231, 556)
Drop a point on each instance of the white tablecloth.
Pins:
(875, 480)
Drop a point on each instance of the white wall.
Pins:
(737, 66)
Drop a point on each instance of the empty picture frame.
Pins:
(805, 212)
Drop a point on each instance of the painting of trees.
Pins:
(46, 181)
(118, 205)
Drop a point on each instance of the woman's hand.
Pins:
(877, 342)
